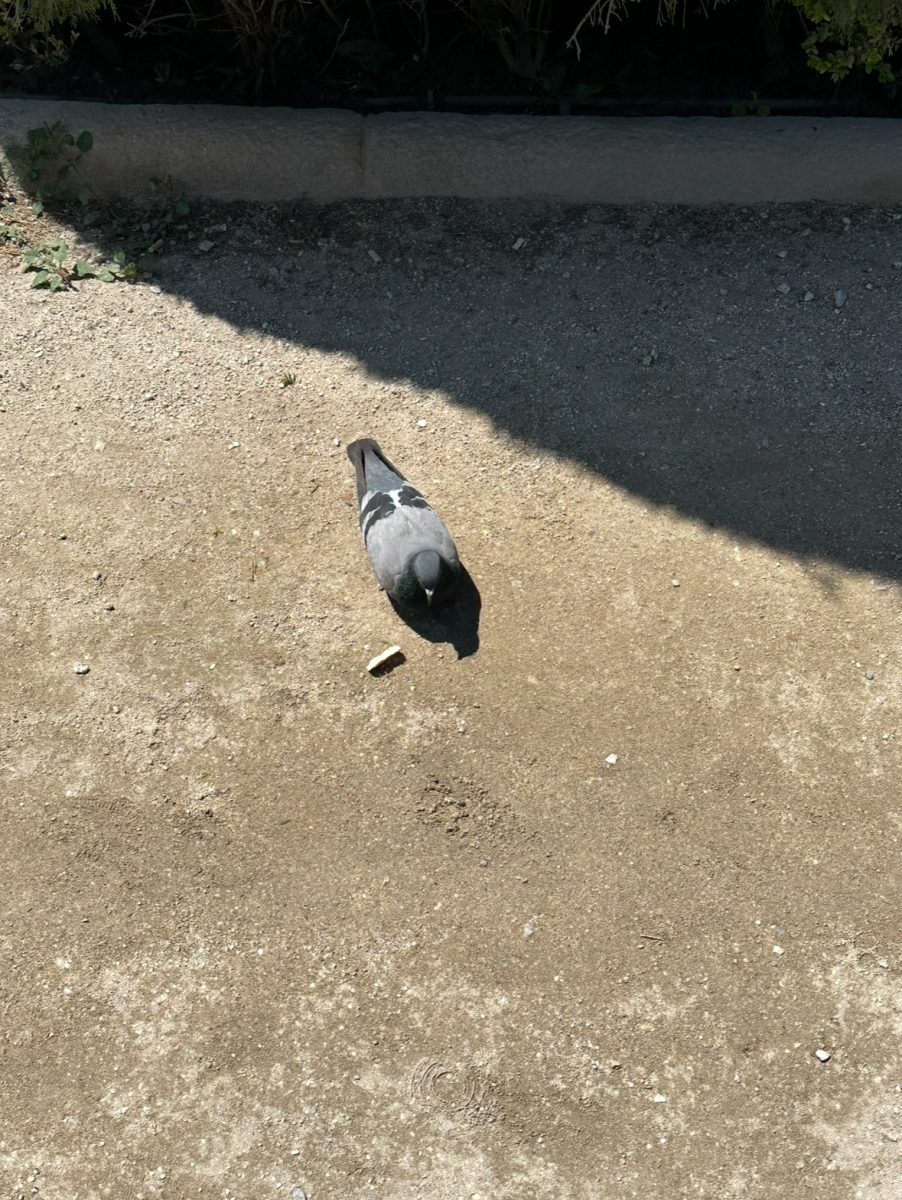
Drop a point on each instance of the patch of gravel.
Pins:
(497, 926)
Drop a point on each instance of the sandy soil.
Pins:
(270, 924)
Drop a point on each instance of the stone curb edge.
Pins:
(272, 154)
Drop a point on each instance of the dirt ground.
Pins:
(271, 926)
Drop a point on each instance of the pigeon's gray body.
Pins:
(412, 552)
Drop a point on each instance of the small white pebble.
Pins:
(234, 445)
(674, 583)
(148, 396)
(97, 575)
(808, 296)
(611, 760)
(882, 962)
(779, 950)
(519, 244)
(81, 669)
(381, 660)
(421, 424)
(659, 1098)
(336, 442)
(823, 1055)
(784, 288)
(839, 297)
(374, 256)
(529, 928)
(782, 253)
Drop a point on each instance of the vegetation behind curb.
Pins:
(561, 55)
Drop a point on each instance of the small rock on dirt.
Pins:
(840, 297)
(389, 658)
(81, 669)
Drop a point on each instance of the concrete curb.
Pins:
(269, 154)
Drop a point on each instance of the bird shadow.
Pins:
(457, 623)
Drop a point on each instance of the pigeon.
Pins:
(412, 553)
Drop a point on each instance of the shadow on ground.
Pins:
(457, 623)
(696, 358)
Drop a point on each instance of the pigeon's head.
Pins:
(429, 569)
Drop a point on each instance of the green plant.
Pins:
(165, 215)
(49, 164)
(44, 14)
(41, 33)
(289, 379)
(32, 49)
(52, 267)
(850, 34)
(145, 230)
(12, 235)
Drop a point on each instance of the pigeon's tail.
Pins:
(367, 457)
(356, 453)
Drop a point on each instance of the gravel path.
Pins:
(606, 910)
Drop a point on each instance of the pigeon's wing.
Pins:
(373, 471)
(399, 524)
